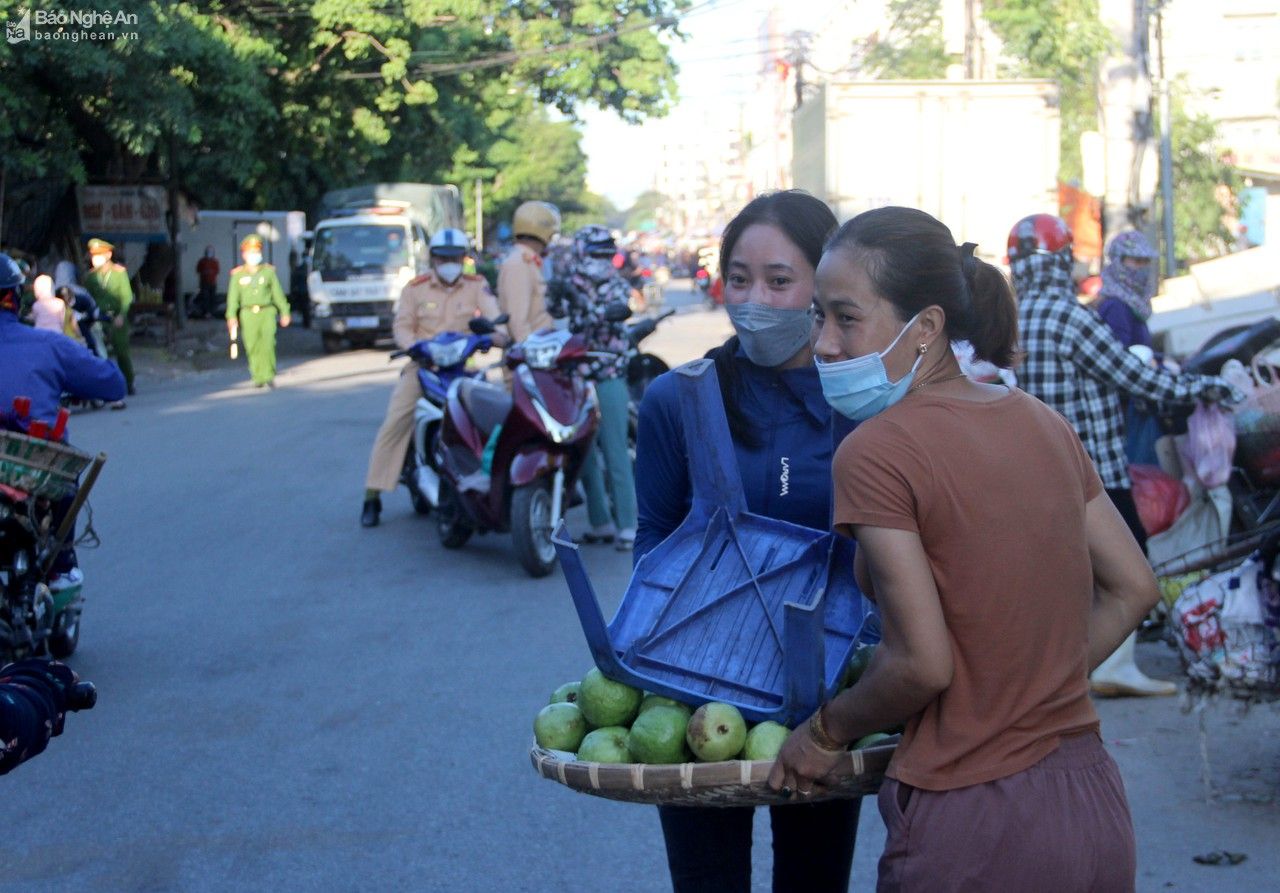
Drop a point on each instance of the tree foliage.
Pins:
(1204, 185)
(1064, 40)
(912, 47)
(268, 103)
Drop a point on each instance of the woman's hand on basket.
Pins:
(803, 764)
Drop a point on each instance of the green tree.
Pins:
(1204, 185)
(912, 47)
(1066, 41)
(644, 210)
(271, 102)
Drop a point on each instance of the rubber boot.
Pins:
(1119, 677)
(369, 514)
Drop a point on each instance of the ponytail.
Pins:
(992, 324)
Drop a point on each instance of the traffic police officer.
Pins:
(108, 283)
(443, 300)
(522, 290)
(254, 299)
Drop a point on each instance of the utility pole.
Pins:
(479, 216)
(1166, 149)
(179, 305)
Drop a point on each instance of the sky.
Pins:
(718, 64)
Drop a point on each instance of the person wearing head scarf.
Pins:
(1124, 302)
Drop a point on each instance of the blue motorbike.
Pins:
(441, 361)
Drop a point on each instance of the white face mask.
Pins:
(449, 272)
(98, 260)
(253, 258)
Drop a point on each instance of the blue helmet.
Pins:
(11, 275)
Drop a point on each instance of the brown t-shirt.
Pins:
(997, 493)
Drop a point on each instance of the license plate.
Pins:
(362, 322)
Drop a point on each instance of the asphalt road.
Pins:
(290, 702)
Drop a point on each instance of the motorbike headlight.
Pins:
(323, 310)
(541, 356)
(448, 354)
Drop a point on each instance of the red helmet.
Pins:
(1038, 234)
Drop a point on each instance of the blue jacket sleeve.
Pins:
(32, 702)
(663, 491)
(86, 375)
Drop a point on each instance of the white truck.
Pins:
(281, 231)
(978, 155)
(370, 241)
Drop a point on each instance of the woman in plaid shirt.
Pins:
(1074, 363)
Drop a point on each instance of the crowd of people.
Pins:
(997, 533)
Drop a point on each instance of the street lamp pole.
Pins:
(1166, 150)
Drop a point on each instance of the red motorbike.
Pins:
(509, 461)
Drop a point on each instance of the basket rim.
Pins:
(52, 446)
(659, 782)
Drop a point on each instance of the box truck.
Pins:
(368, 243)
(281, 231)
(978, 155)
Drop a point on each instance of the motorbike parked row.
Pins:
(488, 459)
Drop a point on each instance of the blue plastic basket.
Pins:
(732, 606)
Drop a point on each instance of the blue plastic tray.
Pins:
(732, 606)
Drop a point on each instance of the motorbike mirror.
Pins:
(481, 326)
(617, 312)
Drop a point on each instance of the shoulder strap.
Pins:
(713, 465)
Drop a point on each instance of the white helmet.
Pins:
(450, 243)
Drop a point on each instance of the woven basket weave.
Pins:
(729, 783)
(40, 467)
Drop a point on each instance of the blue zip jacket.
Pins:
(44, 365)
(788, 477)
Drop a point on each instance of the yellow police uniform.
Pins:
(522, 292)
(427, 307)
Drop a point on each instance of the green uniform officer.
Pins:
(108, 282)
(253, 301)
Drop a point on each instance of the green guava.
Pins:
(560, 727)
(605, 702)
(607, 745)
(657, 735)
(652, 700)
(716, 732)
(764, 741)
(566, 694)
(870, 740)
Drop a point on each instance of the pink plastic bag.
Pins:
(1211, 442)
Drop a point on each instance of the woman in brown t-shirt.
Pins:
(1002, 572)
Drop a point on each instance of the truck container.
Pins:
(368, 243)
(281, 232)
(978, 155)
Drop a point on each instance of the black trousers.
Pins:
(1123, 501)
(709, 849)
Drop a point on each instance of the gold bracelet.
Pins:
(821, 737)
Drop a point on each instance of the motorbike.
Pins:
(440, 361)
(511, 461)
(35, 620)
(642, 369)
(1255, 497)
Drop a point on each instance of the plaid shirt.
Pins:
(1075, 365)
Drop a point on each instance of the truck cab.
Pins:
(361, 259)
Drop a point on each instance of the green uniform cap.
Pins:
(251, 242)
(100, 246)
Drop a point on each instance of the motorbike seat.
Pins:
(487, 404)
(1241, 345)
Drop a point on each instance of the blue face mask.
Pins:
(859, 388)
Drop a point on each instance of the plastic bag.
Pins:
(1161, 498)
(1211, 442)
(1223, 631)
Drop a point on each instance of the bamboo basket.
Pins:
(40, 467)
(729, 783)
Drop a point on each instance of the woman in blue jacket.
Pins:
(783, 437)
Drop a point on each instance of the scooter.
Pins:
(36, 620)
(440, 361)
(510, 461)
(642, 369)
